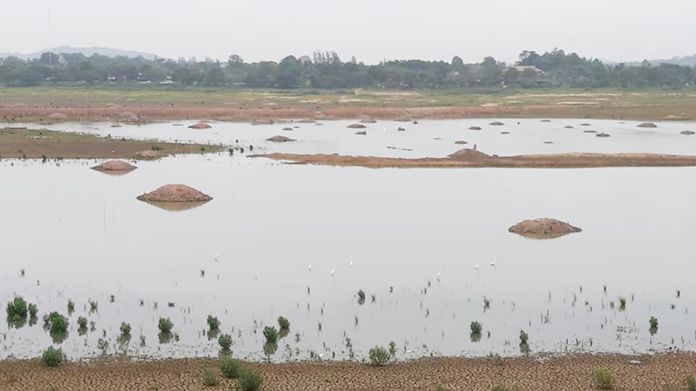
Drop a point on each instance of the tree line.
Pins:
(326, 70)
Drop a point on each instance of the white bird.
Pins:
(309, 267)
(476, 267)
(351, 262)
(332, 272)
(216, 258)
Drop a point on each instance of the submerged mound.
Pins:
(175, 193)
(543, 228)
(200, 125)
(357, 126)
(687, 132)
(461, 142)
(263, 121)
(279, 139)
(497, 123)
(647, 125)
(474, 128)
(115, 166)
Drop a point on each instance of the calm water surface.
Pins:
(412, 238)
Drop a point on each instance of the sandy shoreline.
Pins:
(474, 159)
(572, 372)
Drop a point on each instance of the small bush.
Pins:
(103, 345)
(165, 326)
(271, 334)
(52, 357)
(56, 323)
(82, 323)
(249, 380)
(125, 329)
(475, 328)
(71, 307)
(213, 323)
(392, 349)
(225, 342)
(17, 308)
(604, 380)
(210, 379)
(622, 304)
(653, 322)
(379, 356)
(524, 338)
(33, 310)
(691, 383)
(230, 368)
(283, 323)
(361, 297)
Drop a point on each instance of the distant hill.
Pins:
(688, 61)
(88, 51)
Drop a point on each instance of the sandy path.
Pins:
(552, 374)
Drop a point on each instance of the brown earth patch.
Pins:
(48, 144)
(175, 193)
(280, 139)
(543, 228)
(469, 158)
(564, 373)
(115, 166)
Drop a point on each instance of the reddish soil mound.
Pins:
(280, 139)
(497, 123)
(543, 228)
(468, 154)
(200, 125)
(115, 166)
(647, 125)
(357, 126)
(175, 193)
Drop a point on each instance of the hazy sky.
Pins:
(371, 30)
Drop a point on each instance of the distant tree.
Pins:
(457, 62)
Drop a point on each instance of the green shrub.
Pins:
(604, 380)
(103, 345)
(17, 308)
(52, 357)
(230, 368)
(271, 334)
(125, 329)
(283, 323)
(379, 356)
(165, 326)
(56, 323)
(82, 324)
(653, 322)
(392, 349)
(476, 328)
(225, 342)
(691, 383)
(210, 379)
(524, 338)
(71, 307)
(213, 323)
(622, 304)
(361, 297)
(33, 310)
(249, 380)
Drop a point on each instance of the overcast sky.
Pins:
(371, 30)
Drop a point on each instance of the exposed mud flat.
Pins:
(470, 158)
(543, 228)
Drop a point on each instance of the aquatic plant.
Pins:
(379, 356)
(17, 308)
(93, 306)
(270, 349)
(283, 323)
(524, 342)
(392, 349)
(486, 304)
(71, 307)
(225, 342)
(52, 357)
(271, 334)
(230, 368)
(604, 380)
(33, 310)
(56, 323)
(249, 380)
(361, 297)
(653, 322)
(210, 379)
(475, 331)
(524, 337)
(103, 345)
(165, 325)
(82, 325)
(125, 329)
(622, 304)
(213, 323)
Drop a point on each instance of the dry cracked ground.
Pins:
(662, 372)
